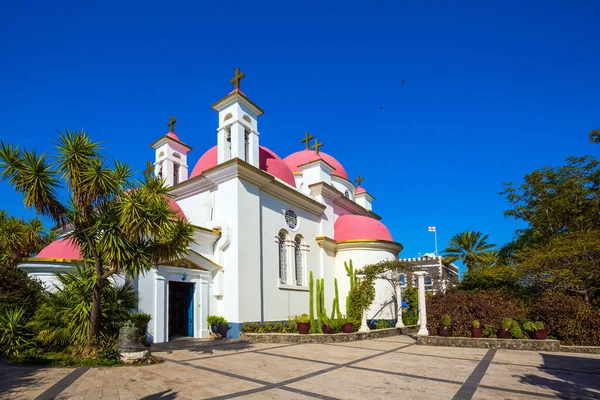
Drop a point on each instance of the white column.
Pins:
(399, 323)
(422, 312)
(253, 149)
(161, 309)
(364, 327)
(238, 141)
(290, 256)
(222, 146)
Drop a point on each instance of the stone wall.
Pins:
(321, 337)
(491, 343)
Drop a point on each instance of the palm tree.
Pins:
(121, 226)
(472, 249)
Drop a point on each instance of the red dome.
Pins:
(62, 248)
(268, 162)
(172, 135)
(357, 227)
(360, 189)
(305, 156)
(175, 207)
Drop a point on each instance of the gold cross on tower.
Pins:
(171, 124)
(359, 179)
(307, 140)
(237, 78)
(316, 146)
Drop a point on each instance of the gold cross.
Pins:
(359, 179)
(307, 140)
(171, 124)
(237, 78)
(316, 146)
(149, 169)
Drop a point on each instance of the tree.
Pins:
(120, 226)
(472, 249)
(553, 201)
(595, 136)
(20, 238)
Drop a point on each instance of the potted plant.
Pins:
(348, 326)
(326, 325)
(223, 327)
(303, 324)
(476, 329)
(504, 331)
(445, 328)
(540, 331)
(213, 322)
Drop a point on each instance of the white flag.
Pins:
(432, 229)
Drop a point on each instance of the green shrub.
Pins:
(382, 324)
(216, 320)
(539, 325)
(446, 321)
(507, 323)
(488, 331)
(567, 318)
(14, 335)
(529, 326)
(268, 327)
(476, 324)
(33, 355)
(515, 330)
(337, 324)
(108, 357)
(17, 290)
(464, 307)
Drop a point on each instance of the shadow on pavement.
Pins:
(164, 395)
(201, 346)
(574, 377)
(13, 378)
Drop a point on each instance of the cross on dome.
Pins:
(237, 78)
(307, 140)
(316, 146)
(359, 179)
(171, 124)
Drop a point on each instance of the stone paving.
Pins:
(392, 367)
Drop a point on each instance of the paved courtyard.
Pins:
(382, 368)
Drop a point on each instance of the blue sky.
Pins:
(492, 91)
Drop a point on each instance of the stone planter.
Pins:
(347, 328)
(504, 334)
(477, 332)
(303, 327)
(540, 335)
(327, 329)
(214, 328)
(444, 331)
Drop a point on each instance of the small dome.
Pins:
(358, 227)
(268, 162)
(61, 248)
(360, 189)
(306, 156)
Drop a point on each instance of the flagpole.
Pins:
(435, 238)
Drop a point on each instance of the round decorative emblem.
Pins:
(291, 219)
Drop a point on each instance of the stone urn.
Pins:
(504, 333)
(444, 331)
(303, 327)
(347, 328)
(540, 334)
(129, 345)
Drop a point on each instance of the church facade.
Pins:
(262, 224)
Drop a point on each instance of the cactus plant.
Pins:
(335, 308)
(446, 321)
(476, 324)
(319, 309)
(311, 313)
(352, 274)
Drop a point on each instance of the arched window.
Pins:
(282, 256)
(298, 260)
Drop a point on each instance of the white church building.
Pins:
(262, 223)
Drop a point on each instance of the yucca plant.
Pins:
(120, 225)
(14, 335)
(63, 319)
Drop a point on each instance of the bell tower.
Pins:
(171, 157)
(237, 134)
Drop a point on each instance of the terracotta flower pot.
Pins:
(327, 329)
(303, 327)
(347, 328)
(541, 334)
(504, 334)
(477, 332)
(445, 331)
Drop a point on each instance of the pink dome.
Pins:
(62, 248)
(360, 189)
(357, 227)
(305, 156)
(175, 207)
(268, 162)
